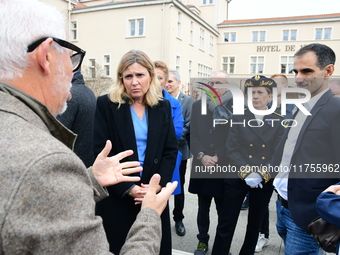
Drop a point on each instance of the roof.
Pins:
(307, 17)
(79, 5)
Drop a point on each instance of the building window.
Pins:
(201, 38)
(136, 27)
(204, 71)
(106, 66)
(191, 32)
(228, 64)
(287, 64)
(289, 35)
(178, 64)
(179, 25)
(211, 48)
(323, 33)
(259, 36)
(74, 31)
(256, 65)
(206, 2)
(190, 69)
(229, 37)
(92, 68)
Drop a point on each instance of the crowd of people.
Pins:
(86, 175)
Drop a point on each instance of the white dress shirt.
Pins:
(281, 181)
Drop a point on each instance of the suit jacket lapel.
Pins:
(317, 107)
(181, 97)
(155, 116)
(125, 128)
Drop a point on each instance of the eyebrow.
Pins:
(304, 70)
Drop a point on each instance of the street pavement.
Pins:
(186, 245)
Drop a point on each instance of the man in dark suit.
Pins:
(172, 86)
(313, 142)
(208, 149)
(79, 118)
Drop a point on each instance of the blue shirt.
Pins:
(177, 116)
(141, 132)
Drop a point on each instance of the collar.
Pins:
(177, 95)
(54, 126)
(315, 99)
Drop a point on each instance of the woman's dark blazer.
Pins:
(112, 123)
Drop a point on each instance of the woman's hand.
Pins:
(139, 192)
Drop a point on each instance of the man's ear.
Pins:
(329, 71)
(44, 55)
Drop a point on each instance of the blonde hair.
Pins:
(118, 93)
(162, 66)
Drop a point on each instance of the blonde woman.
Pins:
(134, 116)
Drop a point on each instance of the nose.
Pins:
(298, 77)
(134, 80)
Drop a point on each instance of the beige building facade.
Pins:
(267, 46)
(193, 37)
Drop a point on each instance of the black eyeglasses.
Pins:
(76, 58)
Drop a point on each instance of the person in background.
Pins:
(314, 140)
(281, 82)
(47, 194)
(250, 148)
(172, 86)
(334, 86)
(162, 73)
(208, 149)
(79, 118)
(134, 116)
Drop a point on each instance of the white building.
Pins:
(193, 36)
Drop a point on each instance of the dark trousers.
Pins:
(265, 224)
(179, 199)
(203, 216)
(232, 202)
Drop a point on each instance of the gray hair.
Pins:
(220, 71)
(23, 22)
(176, 75)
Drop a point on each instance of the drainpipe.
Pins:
(162, 33)
(69, 18)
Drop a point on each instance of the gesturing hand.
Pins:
(159, 201)
(109, 171)
(334, 188)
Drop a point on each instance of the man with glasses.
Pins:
(47, 194)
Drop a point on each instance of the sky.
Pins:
(252, 9)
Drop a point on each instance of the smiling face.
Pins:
(136, 79)
(308, 75)
(261, 97)
(172, 85)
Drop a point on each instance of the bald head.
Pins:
(334, 86)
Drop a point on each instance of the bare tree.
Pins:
(96, 80)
